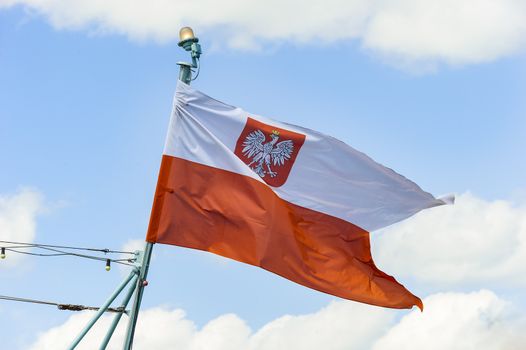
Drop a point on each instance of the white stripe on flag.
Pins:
(328, 176)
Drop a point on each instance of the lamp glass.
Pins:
(186, 33)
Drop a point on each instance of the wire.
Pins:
(198, 69)
(104, 250)
(59, 252)
(35, 254)
(70, 307)
(24, 300)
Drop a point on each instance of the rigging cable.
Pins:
(104, 250)
(15, 248)
(70, 307)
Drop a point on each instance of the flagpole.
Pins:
(188, 42)
(141, 283)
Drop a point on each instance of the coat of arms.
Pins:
(269, 151)
(263, 154)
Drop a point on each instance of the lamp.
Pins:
(189, 42)
(186, 33)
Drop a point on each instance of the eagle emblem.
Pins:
(264, 155)
(268, 150)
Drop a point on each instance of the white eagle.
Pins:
(266, 154)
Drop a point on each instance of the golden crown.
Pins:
(275, 132)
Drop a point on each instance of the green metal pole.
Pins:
(103, 308)
(134, 313)
(189, 43)
(116, 319)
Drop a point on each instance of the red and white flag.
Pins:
(288, 199)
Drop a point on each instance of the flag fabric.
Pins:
(285, 198)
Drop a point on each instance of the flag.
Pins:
(285, 198)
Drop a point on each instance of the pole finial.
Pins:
(189, 42)
(186, 33)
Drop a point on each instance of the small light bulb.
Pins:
(2, 253)
(186, 33)
(108, 262)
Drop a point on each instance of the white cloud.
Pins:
(18, 220)
(332, 328)
(340, 325)
(449, 31)
(478, 320)
(133, 244)
(407, 32)
(472, 241)
(158, 328)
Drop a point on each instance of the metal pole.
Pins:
(103, 308)
(185, 72)
(189, 42)
(116, 319)
(134, 314)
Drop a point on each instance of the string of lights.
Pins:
(102, 250)
(60, 250)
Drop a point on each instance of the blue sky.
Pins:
(84, 111)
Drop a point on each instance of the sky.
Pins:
(432, 89)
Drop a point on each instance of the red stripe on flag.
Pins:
(232, 215)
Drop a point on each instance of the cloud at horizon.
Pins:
(479, 320)
(411, 34)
